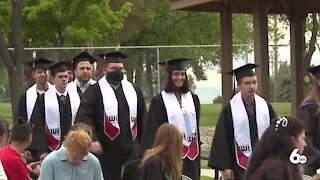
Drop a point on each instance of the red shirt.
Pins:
(13, 165)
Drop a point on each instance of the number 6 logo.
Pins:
(296, 158)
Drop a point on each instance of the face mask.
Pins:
(115, 77)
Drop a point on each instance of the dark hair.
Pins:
(21, 130)
(4, 127)
(170, 87)
(276, 142)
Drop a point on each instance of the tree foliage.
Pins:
(71, 22)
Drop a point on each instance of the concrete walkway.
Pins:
(207, 172)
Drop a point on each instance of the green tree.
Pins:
(184, 28)
(283, 84)
(52, 23)
(71, 23)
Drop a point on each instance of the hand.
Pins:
(33, 166)
(27, 154)
(96, 148)
(43, 155)
(228, 174)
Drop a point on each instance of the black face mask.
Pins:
(115, 77)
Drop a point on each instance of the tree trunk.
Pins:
(139, 68)
(13, 60)
(149, 78)
(311, 46)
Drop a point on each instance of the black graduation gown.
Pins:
(156, 116)
(222, 153)
(22, 108)
(153, 170)
(122, 148)
(311, 122)
(39, 143)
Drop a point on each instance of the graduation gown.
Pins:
(39, 143)
(222, 153)
(22, 106)
(156, 116)
(311, 122)
(122, 148)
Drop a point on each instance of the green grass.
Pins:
(205, 178)
(209, 112)
(6, 112)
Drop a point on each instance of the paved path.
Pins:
(207, 172)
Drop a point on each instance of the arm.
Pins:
(151, 125)
(272, 113)
(87, 110)
(22, 109)
(141, 113)
(19, 170)
(221, 155)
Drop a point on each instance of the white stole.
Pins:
(52, 113)
(185, 117)
(31, 98)
(110, 103)
(241, 128)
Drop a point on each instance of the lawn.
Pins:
(209, 112)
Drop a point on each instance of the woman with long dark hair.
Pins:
(164, 161)
(271, 156)
(177, 105)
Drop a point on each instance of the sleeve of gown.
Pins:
(22, 110)
(312, 153)
(272, 113)
(220, 154)
(153, 170)
(150, 127)
(87, 110)
(141, 113)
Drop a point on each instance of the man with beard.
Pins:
(114, 108)
(82, 65)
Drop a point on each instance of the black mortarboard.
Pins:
(243, 71)
(40, 63)
(113, 57)
(84, 56)
(68, 64)
(58, 67)
(175, 64)
(315, 71)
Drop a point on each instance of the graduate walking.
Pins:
(241, 124)
(177, 105)
(115, 109)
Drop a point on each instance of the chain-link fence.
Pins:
(143, 69)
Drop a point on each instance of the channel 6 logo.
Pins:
(296, 158)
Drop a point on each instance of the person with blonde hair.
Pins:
(164, 160)
(73, 160)
(310, 115)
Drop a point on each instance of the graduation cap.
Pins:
(315, 71)
(68, 64)
(113, 57)
(40, 63)
(175, 64)
(243, 71)
(83, 56)
(58, 67)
